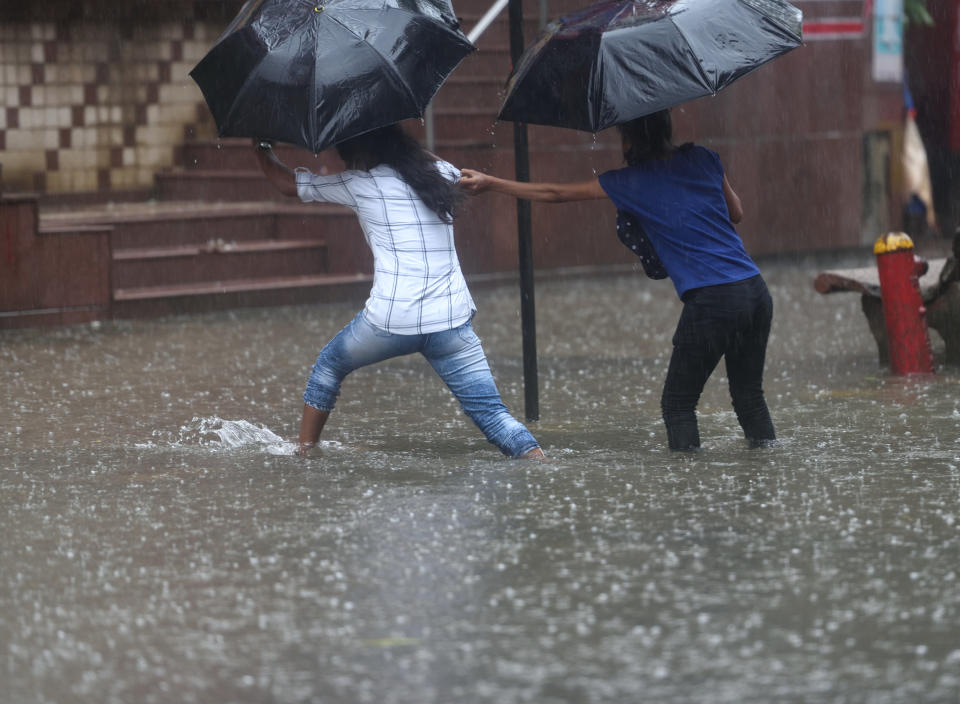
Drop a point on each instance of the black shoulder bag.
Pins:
(631, 233)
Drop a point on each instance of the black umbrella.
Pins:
(317, 72)
(616, 61)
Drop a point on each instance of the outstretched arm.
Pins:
(278, 173)
(477, 182)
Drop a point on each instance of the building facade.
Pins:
(96, 94)
(98, 106)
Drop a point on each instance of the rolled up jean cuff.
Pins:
(320, 398)
(318, 406)
(519, 443)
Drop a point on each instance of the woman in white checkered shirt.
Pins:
(404, 198)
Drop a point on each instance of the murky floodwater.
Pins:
(157, 548)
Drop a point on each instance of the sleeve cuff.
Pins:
(303, 177)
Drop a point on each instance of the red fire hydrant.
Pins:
(903, 309)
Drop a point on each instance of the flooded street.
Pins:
(158, 546)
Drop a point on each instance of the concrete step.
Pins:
(185, 256)
(181, 223)
(217, 261)
(152, 301)
(347, 250)
(191, 231)
(215, 185)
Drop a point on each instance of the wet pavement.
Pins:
(159, 547)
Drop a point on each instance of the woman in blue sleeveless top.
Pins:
(686, 206)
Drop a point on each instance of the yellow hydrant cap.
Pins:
(892, 242)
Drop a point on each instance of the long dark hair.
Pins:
(392, 146)
(648, 137)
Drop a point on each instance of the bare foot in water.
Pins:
(303, 449)
(534, 454)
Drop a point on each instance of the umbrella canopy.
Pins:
(317, 72)
(616, 61)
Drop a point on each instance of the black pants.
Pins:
(731, 321)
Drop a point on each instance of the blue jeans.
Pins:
(455, 354)
(730, 321)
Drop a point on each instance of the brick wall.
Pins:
(99, 101)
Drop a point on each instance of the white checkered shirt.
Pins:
(417, 283)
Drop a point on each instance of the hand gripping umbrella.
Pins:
(621, 59)
(316, 72)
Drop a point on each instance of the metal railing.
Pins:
(478, 29)
(487, 19)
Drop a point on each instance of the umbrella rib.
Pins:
(776, 20)
(435, 21)
(312, 104)
(383, 59)
(703, 74)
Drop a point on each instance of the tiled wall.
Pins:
(91, 106)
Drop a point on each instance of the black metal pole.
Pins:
(521, 157)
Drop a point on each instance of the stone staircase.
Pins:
(215, 234)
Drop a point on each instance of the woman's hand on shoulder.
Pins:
(474, 182)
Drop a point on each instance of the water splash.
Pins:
(218, 434)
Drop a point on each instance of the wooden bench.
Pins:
(939, 287)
